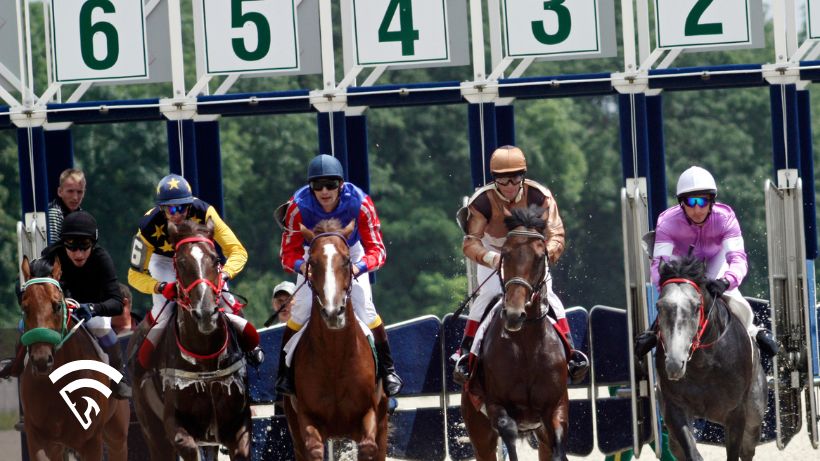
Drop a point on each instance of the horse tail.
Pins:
(508, 430)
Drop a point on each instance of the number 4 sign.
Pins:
(717, 24)
(98, 40)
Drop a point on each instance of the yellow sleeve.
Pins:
(231, 247)
(138, 276)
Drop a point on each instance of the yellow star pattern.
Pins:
(167, 247)
(196, 220)
(173, 184)
(159, 232)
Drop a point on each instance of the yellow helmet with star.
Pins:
(174, 190)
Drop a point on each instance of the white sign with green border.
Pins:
(717, 24)
(98, 40)
(560, 29)
(813, 18)
(399, 31)
(243, 36)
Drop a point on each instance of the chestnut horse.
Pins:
(51, 425)
(337, 393)
(707, 365)
(197, 395)
(521, 374)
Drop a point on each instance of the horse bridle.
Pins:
(183, 298)
(307, 269)
(703, 321)
(535, 290)
(42, 334)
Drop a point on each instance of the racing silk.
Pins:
(485, 229)
(152, 238)
(354, 205)
(718, 241)
(94, 282)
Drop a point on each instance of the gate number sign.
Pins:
(551, 27)
(692, 23)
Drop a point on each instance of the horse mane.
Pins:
(190, 228)
(327, 225)
(688, 267)
(529, 217)
(41, 267)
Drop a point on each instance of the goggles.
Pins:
(77, 245)
(692, 202)
(175, 209)
(513, 180)
(329, 184)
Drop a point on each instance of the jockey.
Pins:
(328, 196)
(485, 233)
(709, 230)
(89, 277)
(152, 264)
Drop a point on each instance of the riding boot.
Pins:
(577, 366)
(460, 360)
(391, 381)
(767, 343)
(647, 340)
(284, 377)
(121, 389)
(13, 368)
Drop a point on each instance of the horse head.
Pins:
(199, 283)
(682, 311)
(44, 312)
(523, 266)
(329, 269)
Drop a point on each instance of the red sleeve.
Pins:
(291, 251)
(370, 233)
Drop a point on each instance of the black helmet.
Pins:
(79, 224)
(325, 166)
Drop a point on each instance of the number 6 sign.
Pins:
(718, 24)
(98, 40)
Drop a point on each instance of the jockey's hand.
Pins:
(84, 311)
(717, 287)
(168, 290)
(496, 261)
(355, 269)
(225, 276)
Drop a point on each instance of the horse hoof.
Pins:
(367, 451)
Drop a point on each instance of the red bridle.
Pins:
(703, 322)
(183, 298)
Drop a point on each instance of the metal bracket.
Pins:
(328, 100)
(480, 92)
(781, 73)
(630, 82)
(178, 108)
(28, 116)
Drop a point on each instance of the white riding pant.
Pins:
(492, 288)
(360, 295)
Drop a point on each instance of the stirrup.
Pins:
(767, 343)
(121, 390)
(461, 371)
(577, 366)
(392, 383)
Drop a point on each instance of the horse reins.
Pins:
(703, 321)
(535, 291)
(183, 299)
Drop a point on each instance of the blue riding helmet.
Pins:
(325, 166)
(174, 190)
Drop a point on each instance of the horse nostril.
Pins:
(50, 360)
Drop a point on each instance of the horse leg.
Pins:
(92, 449)
(680, 433)
(482, 436)
(559, 421)
(40, 450)
(181, 440)
(505, 426)
(293, 427)
(115, 431)
(381, 436)
(240, 448)
(367, 448)
(546, 440)
(735, 428)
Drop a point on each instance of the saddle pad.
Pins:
(290, 347)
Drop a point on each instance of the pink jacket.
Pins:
(718, 242)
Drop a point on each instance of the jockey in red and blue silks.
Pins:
(709, 230)
(327, 196)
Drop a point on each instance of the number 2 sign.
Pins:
(98, 40)
(708, 23)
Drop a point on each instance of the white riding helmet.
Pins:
(696, 179)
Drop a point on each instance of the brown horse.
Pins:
(197, 395)
(73, 412)
(337, 393)
(521, 375)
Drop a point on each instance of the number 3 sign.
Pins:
(98, 40)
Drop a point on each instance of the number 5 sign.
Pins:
(718, 24)
(98, 40)
(399, 31)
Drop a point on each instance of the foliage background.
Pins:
(419, 172)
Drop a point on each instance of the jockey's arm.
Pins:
(232, 248)
(554, 232)
(112, 305)
(138, 276)
(291, 250)
(732, 245)
(370, 234)
(472, 247)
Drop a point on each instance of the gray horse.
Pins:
(708, 366)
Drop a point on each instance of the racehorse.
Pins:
(197, 394)
(73, 412)
(337, 393)
(707, 364)
(521, 375)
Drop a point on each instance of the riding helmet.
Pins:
(695, 180)
(325, 166)
(79, 224)
(508, 159)
(174, 190)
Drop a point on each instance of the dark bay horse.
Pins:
(337, 393)
(522, 372)
(708, 366)
(51, 425)
(197, 395)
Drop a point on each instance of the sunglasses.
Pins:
(78, 245)
(692, 202)
(175, 209)
(509, 180)
(329, 184)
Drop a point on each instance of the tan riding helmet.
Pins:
(508, 159)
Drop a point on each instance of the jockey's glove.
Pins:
(168, 290)
(84, 311)
(718, 286)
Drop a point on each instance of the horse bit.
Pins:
(534, 290)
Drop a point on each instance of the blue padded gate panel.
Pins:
(271, 439)
(417, 434)
(458, 443)
(580, 442)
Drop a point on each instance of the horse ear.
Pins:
(210, 226)
(26, 268)
(349, 229)
(307, 234)
(56, 270)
